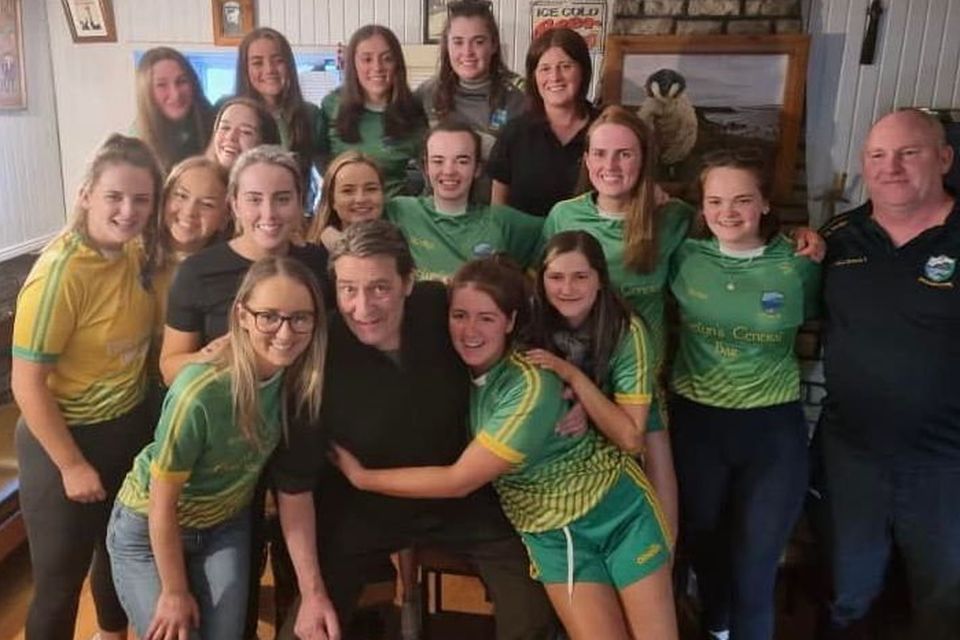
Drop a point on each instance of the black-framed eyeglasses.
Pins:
(270, 321)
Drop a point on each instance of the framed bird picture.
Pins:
(700, 93)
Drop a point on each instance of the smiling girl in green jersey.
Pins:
(638, 237)
(588, 337)
(373, 110)
(739, 432)
(588, 516)
(180, 533)
(446, 229)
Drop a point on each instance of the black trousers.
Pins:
(67, 538)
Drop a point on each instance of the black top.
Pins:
(892, 339)
(539, 170)
(206, 283)
(391, 415)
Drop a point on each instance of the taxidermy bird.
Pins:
(667, 110)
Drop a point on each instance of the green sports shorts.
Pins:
(620, 541)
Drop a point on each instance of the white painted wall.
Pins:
(917, 64)
(31, 194)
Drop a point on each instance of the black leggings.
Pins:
(64, 535)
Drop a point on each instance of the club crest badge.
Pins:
(772, 302)
(939, 268)
(482, 250)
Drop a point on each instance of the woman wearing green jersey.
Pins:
(373, 110)
(446, 229)
(591, 523)
(638, 237)
(179, 535)
(739, 433)
(587, 336)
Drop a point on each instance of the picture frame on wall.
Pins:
(701, 93)
(434, 17)
(13, 91)
(90, 20)
(232, 20)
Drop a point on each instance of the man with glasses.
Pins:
(395, 394)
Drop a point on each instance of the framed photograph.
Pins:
(232, 20)
(700, 93)
(91, 20)
(13, 92)
(434, 17)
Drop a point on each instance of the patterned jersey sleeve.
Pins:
(181, 434)
(525, 415)
(47, 310)
(631, 367)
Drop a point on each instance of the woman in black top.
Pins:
(536, 160)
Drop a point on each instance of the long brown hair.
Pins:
(609, 317)
(152, 126)
(640, 224)
(302, 380)
(447, 80)
(403, 114)
(291, 105)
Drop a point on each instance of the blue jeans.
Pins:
(874, 506)
(742, 476)
(218, 568)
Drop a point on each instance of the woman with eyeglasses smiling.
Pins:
(180, 533)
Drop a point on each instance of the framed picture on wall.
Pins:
(90, 20)
(232, 20)
(700, 93)
(13, 92)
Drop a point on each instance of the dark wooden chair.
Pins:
(12, 530)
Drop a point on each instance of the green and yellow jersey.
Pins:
(514, 408)
(88, 316)
(644, 293)
(630, 378)
(739, 319)
(197, 443)
(441, 243)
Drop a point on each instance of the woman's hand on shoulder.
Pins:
(176, 614)
(81, 483)
(213, 348)
(809, 244)
(546, 360)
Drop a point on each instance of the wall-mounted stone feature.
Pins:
(700, 17)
